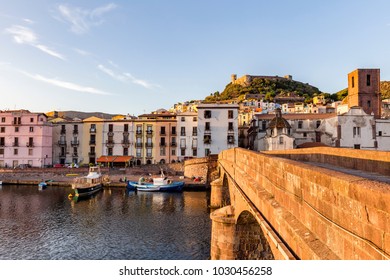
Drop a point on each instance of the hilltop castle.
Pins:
(247, 79)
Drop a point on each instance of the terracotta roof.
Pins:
(297, 116)
(114, 159)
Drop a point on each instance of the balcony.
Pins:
(162, 133)
(125, 143)
(207, 131)
(15, 144)
(75, 155)
(63, 131)
(61, 143)
(74, 143)
(75, 131)
(62, 155)
(92, 154)
(30, 144)
(173, 144)
(163, 144)
(149, 145)
(125, 134)
(110, 143)
(139, 145)
(92, 130)
(17, 123)
(2, 144)
(110, 134)
(92, 142)
(138, 132)
(182, 146)
(149, 132)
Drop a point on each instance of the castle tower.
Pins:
(364, 90)
(233, 78)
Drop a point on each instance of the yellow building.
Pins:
(92, 141)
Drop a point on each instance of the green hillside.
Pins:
(269, 88)
(385, 91)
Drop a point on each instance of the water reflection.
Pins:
(111, 225)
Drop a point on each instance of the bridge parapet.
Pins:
(316, 213)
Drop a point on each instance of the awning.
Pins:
(114, 159)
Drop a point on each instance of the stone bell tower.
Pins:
(364, 91)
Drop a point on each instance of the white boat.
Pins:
(42, 185)
(90, 184)
(158, 184)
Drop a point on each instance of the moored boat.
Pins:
(90, 184)
(160, 184)
(42, 185)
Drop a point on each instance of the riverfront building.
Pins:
(25, 139)
(187, 123)
(217, 128)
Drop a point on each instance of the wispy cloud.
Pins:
(81, 20)
(66, 85)
(25, 35)
(82, 52)
(126, 77)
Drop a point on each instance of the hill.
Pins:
(268, 88)
(79, 115)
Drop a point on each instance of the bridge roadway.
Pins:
(359, 173)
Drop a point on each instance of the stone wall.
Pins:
(318, 213)
(201, 167)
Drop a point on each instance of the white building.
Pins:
(187, 124)
(217, 128)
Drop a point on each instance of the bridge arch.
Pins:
(250, 241)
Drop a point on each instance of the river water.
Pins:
(113, 225)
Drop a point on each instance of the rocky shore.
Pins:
(65, 176)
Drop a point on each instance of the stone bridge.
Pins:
(317, 203)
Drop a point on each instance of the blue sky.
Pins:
(138, 56)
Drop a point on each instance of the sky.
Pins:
(137, 56)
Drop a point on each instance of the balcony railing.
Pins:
(163, 144)
(173, 144)
(110, 133)
(62, 155)
(30, 144)
(139, 145)
(110, 143)
(92, 154)
(63, 131)
(16, 122)
(149, 145)
(15, 144)
(74, 143)
(92, 142)
(92, 130)
(61, 142)
(149, 131)
(125, 143)
(75, 131)
(138, 132)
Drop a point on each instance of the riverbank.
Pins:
(65, 176)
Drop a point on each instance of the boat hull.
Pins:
(145, 187)
(87, 191)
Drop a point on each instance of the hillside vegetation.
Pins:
(269, 88)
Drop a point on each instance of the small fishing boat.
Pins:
(159, 184)
(42, 185)
(90, 184)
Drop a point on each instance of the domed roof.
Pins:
(278, 121)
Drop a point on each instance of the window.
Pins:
(369, 103)
(31, 129)
(300, 124)
(207, 126)
(162, 141)
(110, 128)
(194, 152)
(125, 151)
(207, 139)
(173, 130)
(230, 126)
(16, 141)
(305, 134)
(109, 151)
(15, 151)
(162, 130)
(207, 152)
(230, 139)
(183, 119)
(2, 152)
(368, 80)
(126, 127)
(207, 114)
(353, 82)
(93, 128)
(230, 114)
(173, 152)
(263, 125)
(30, 152)
(356, 131)
(318, 123)
(194, 131)
(356, 146)
(162, 151)
(182, 152)
(2, 141)
(182, 143)
(194, 119)
(16, 128)
(379, 133)
(183, 131)
(138, 153)
(31, 119)
(3, 119)
(280, 140)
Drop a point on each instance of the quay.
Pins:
(63, 177)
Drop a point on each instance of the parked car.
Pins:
(58, 165)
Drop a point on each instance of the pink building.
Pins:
(25, 139)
